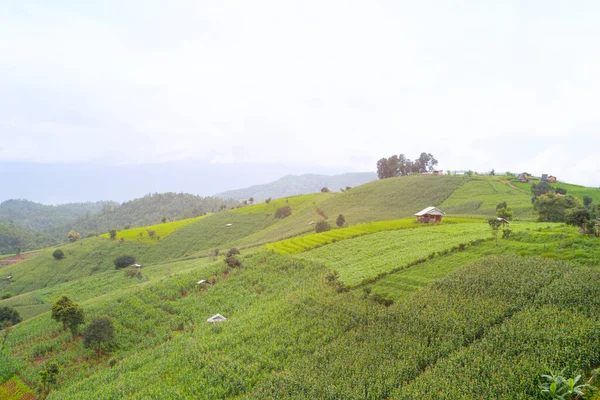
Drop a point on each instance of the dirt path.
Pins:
(6, 261)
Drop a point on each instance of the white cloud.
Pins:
(338, 84)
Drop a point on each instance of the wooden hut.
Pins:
(430, 214)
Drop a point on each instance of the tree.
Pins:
(577, 216)
(560, 191)
(283, 212)
(340, 221)
(251, 200)
(73, 236)
(99, 332)
(124, 261)
(388, 167)
(501, 205)
(325, 189)
(495, 225)
(552, 208)
(73, 316)
(9, 314)
(232, 252)
(505, 212)
(587, 201)
(67, 312)
(538, 189)
(164, 219)
(493, 173)
(348, 188)
(58, 254)
(426, 162)
(268, 200)
(112, 234)
(48, 377)
(151, 232)
(322, 226)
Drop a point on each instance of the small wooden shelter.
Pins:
(216, 318)
(430, 214)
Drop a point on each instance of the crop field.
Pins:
(438, 311)
(392, 198)
(425, 347)
(480, 195)
(292, 201)
(357, 260)
(160, 231)
(309, 242)
(14, 389)
(401, 284)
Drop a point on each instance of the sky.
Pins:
(481, 85)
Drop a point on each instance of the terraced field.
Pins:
(363, 258)
(308, 242)
(160, 231)
(480, 195)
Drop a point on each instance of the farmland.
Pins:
(158, 231)
(367, 257)
(381, 308)
(309, 242)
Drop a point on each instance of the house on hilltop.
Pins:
(552, 179)
(430, 214)
(524, 177)
(545, 177)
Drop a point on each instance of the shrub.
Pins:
(73, 236)
(7, 295)
(124, 261)
(283, 212)
(9, 314)
(340, 221)
(112, 234)
(322, 226)
(232, 252)
(233, 262)
(268, 200)
(58, 254)
(99, 332)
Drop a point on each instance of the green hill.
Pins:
(381, 308)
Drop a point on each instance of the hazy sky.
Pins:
(480, 84)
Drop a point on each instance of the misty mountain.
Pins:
(292, 185)
(76, 183)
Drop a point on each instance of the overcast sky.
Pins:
(338, 84)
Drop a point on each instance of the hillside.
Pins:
(380, 308)
(293, 185)
(37, 225)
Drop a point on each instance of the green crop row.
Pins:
(369, 256)
(308, 242)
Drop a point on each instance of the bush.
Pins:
(322, 226)
(99, 332)
(232, 252)
(73, 236)
(340, 221)
(58, 254)
(7, 295)
(130, 273)
(268, 200)
(283, 212)
(124, 261)
(233, 262)
(9, 314)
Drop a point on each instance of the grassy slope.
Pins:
(161, 231)
(480, 195)
(277, 300)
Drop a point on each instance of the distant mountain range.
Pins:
(292, 185)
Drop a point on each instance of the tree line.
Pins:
(399, 165)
